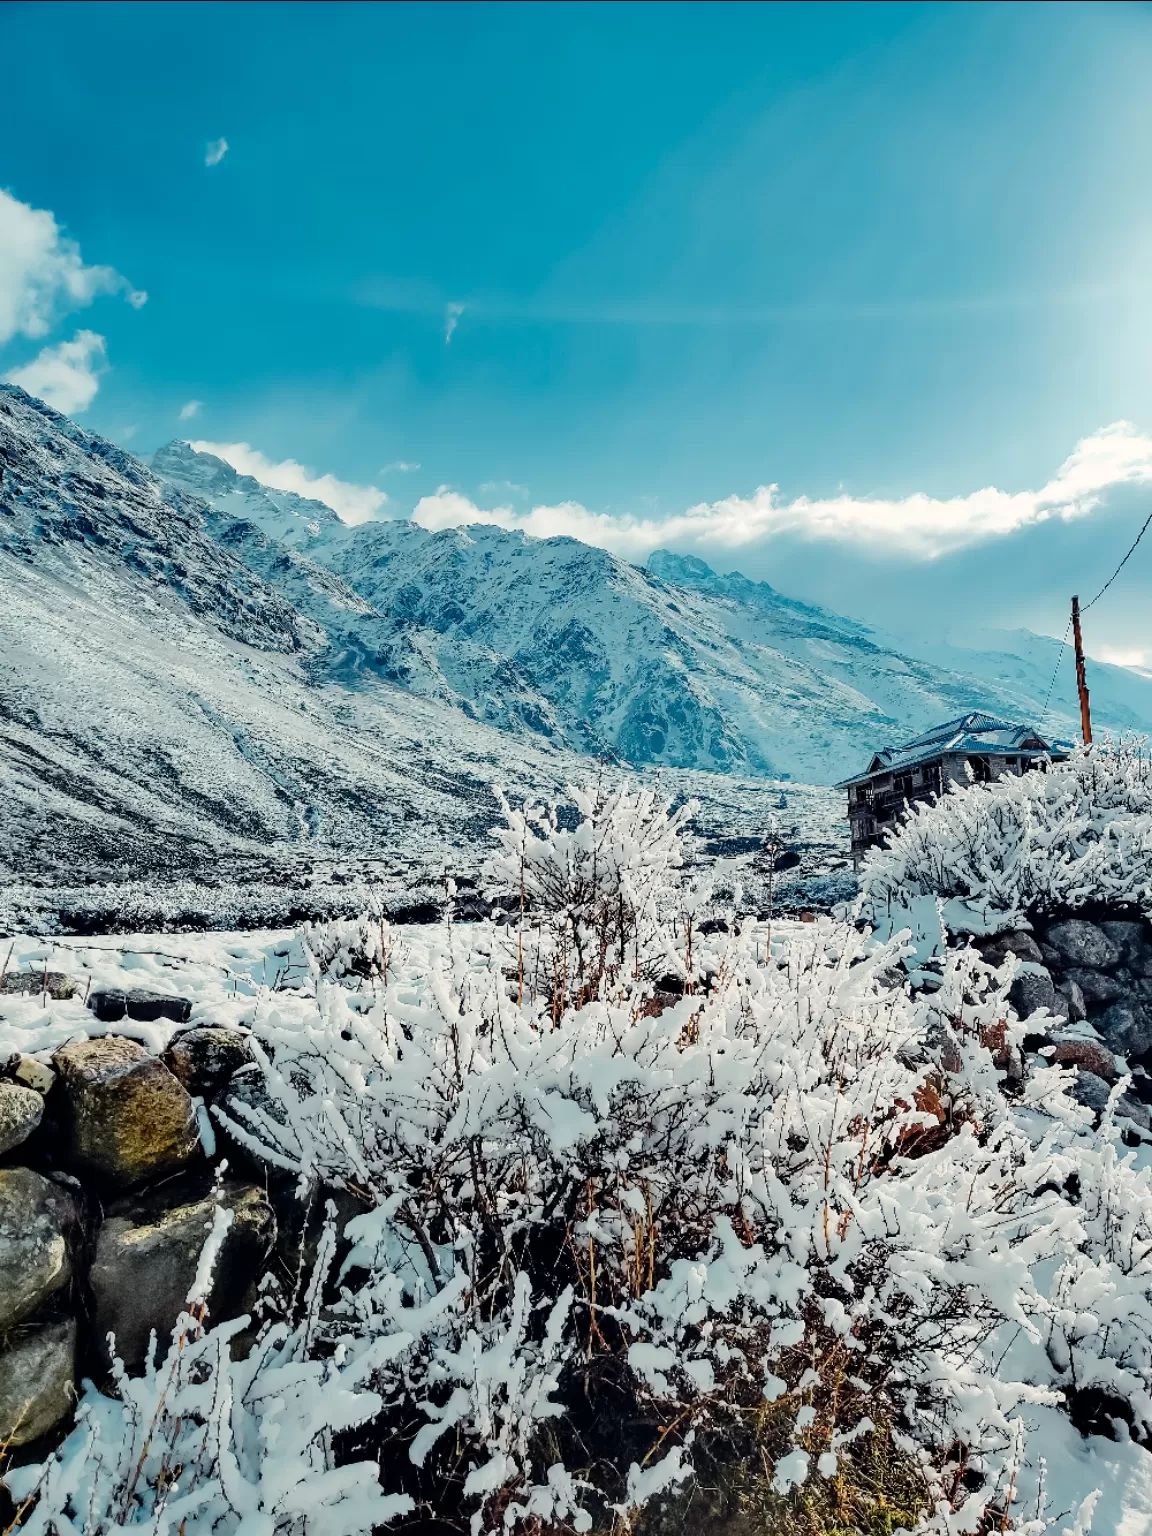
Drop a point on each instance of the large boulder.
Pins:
(1090, 1090)
(112, 1004)
(1089, 1056)
(1084, 943)
(21, 1110)
(146, 1259)
(206, 1057)
(35, 1218)
(127, 1117)
(37, 1382)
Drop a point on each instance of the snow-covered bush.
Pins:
(600, 906)
(203, 1443)
(348, 948)
(1078, 832)
(797, 1202)
(797, 1210)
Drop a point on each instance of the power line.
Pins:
(1086, 606)
(1056, 668)
(1119, 568)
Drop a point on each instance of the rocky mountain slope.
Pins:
(199, 724)
(674, 664)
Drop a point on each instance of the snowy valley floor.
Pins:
(403, 874)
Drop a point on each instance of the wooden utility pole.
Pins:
(1081, 679)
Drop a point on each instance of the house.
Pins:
(974, 747)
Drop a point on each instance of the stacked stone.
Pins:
(1097, 975)
(106, 1199)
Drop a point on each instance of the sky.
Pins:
(854, 298)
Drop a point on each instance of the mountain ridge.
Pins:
(672, 663)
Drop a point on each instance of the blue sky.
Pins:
(589, 267)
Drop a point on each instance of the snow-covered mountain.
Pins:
(278, 700)
(674, 664)
(1013, 671)
(185, 735)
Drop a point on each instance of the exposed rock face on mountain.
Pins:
(295, 521)
(674, 664)
(1013, 672)
(201, 725)
(186, 692)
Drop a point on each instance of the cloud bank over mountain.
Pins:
(920, 525)
(353, 504)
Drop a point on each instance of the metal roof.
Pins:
(971, 734)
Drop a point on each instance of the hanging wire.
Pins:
(1120, 567)
(1096, 599)
(1056, 668)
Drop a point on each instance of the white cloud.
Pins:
(66, 376)
(43, 275)
(1124, 656)
(452, 313)
(215, 151)
(490, 487)
(191, 408)
(919, 525)
(351, 503)
(400, 465)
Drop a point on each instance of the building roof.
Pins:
(973, 733)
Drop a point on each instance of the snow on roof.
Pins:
(975, 732)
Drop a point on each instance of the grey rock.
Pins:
(1032, 989)
(111, 1005)
(1132, 1108)
(1090, 1090)
(146, 1260)
(1096, 987)
(32, 983)
(127, 1117)
(35, 1217)
(1127, 1028)
(246, 1102)
(1084, 943)
(1052, 958)
(31, 1073)
(1019, 942)
(1129, 938)
(1070, 1001)
(206, 1057)
(37, 1382)
(21, 1110)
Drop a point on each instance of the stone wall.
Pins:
(108, 1188)
(1096, 971)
